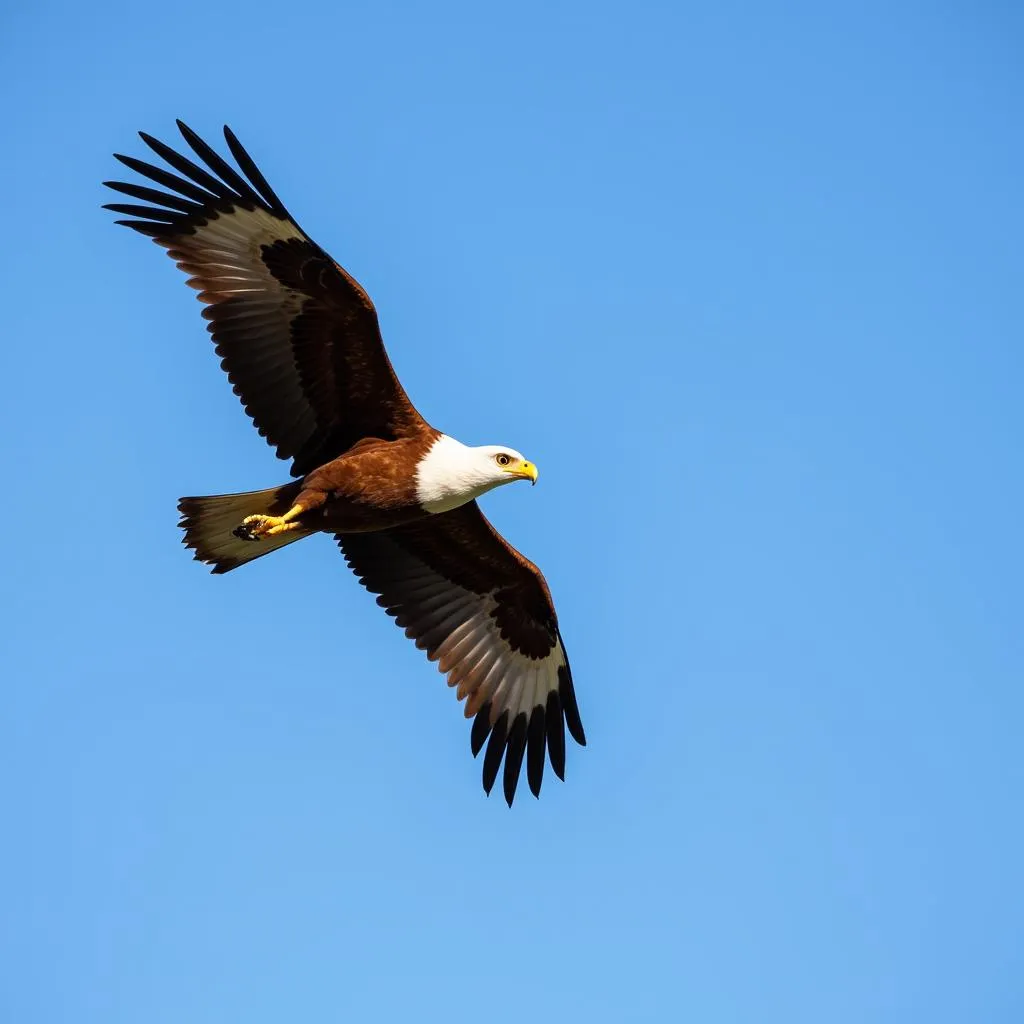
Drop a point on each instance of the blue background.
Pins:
(744, 281)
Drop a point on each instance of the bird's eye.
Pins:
(502, 459)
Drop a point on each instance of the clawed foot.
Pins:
(259, 526)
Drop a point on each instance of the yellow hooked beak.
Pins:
(523, 470)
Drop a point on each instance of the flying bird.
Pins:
(300, 342)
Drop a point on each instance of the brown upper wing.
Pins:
(484, 612)
(296, 334)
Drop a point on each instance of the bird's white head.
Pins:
(451, 473)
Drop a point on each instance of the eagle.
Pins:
(300, 342)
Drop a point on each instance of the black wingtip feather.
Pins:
(481, 729)
(556, 735)
(253, 173)
(514, 757)
(495, 748)
(191, 170)
(217, 163)
(168, 180)
(569, 706)
(535, 750)
(145, 227)
(152, 212)
(154, 195)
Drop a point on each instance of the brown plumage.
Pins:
(299, 340)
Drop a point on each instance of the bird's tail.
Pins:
(209, 523)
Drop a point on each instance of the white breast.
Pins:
(451, 474)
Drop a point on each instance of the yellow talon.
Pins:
(256, 526)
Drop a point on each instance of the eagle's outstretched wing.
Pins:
(484, 612)
(296, 334)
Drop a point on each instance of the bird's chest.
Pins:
(366, 491)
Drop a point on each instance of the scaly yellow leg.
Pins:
(257, 526)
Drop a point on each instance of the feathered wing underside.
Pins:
(296, 334)
(484, 613)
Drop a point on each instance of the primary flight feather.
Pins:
(299, 340)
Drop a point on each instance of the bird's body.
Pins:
(299, 340)
(377, 468)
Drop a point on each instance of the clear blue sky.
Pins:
(745, 283)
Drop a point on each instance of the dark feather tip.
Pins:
(481, 729)
(495, 750)
(514, 758)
